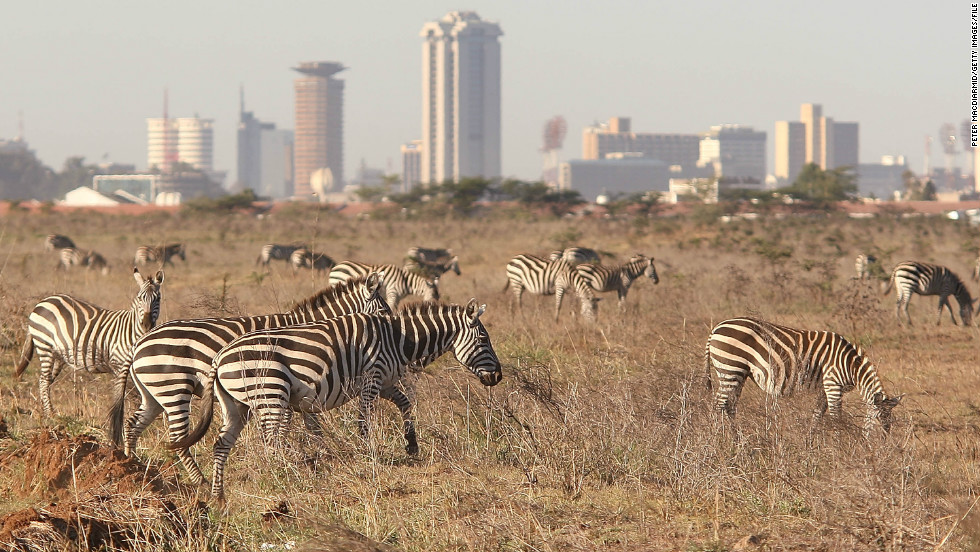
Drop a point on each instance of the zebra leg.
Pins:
(312, 424)
(235, 415)
(178, 424)
(370, 392)
(903, 304)
(622, 299)
(404, 405)
(729, 388)
(50, 368)
(145, 413)
(818, 414)
(944, 300)
(832, 396)
(559, 294)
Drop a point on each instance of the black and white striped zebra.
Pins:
(602, 279)
(163, 254)
(71, 256)
(576, 255)
(65, 331)
(543, 277)
(275, 252)
(397, 282)
(928, 279)
(304, 258)
(782, 360)
(54, 242)
(432, 269)
(429, 255)
(171, 361)
(863, 265)
(321, 366)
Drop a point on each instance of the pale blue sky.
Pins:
(87, 74)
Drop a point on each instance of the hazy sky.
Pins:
(87, 74)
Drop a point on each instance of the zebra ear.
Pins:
(435, 281)
(373, 281)
(473, 311)
(159, 278)
(137, 276)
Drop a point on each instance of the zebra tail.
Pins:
(707, 366)
(203, 425)
(27, 353)
(506, 286)
(116, 414)
(891, 280)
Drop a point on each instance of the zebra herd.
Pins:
(346, 342)
(69, 255)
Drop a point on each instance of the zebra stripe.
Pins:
(321, 366)
(70, 332)
(56, 241)
(397, 282)
(576, 255)
(275, 252)
(781, 360)
(170, 362)
(427, 255)
(862, 266)
(603, 279)
(152, 254)
(71, 256)
(432, 269)
(928, 279)
(304, 258)
(542, 277)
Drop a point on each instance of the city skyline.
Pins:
(899, 73)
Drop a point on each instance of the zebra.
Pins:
(71, 256)
(397, 281)
(427, 255)
(544, 277)
(70, 332)
(322, 365)
(57, 241)
(170, 362)
(275, 252)
(576, 255)
(863, 265)
(601, 279)
(304, 258)
(928, 279)
(151, 254)
(432, 269)
(781, 360)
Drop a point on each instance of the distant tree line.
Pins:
(23, 176)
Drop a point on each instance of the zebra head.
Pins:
(181, 251)
(473, 349)
(966, 311)
(453, 265)
(374, 298)
(147, 302)
(881, 409)
(649, 270)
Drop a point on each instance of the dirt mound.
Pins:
(98, 497)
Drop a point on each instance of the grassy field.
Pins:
(600, 437)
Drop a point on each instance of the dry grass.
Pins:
(599, 437)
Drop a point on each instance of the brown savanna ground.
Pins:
(600, 437)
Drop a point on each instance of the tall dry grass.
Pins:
(600, 436)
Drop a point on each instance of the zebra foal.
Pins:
(397, 281)
(151, 254)
(928, 279)
(603, 279)
(65, 331)
(781, 360)
(321, 366)
(171, 361)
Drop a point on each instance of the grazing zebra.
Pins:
(863, 264)
(170, 362)
(576, 255)
(426, 255)
(304, 258)
(152, 254)
(602, 279)
(928, 279)
(432, 269)
(69, 332)
(781, 360)
(275, 252)
(321, 366)
(397, 282)
(57, 241)
(543, 277)
(71, 256)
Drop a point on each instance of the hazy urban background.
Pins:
(81, 79)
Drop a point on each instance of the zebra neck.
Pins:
(963, 295)
(866, 380)
(423, 335)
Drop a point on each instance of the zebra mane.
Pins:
(327, 295)
(426, 307)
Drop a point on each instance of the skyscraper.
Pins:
(815, 139)
(189, 140)
(264, 156)
(460, 98)
(790, 139)
(319, 133)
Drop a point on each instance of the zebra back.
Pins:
(71, 256)
(275, 252)
(427, 255)
(163, 254)
(304, 258)
(432, 269)
(576, 255)
(56, 241)
(603, 278)
(535, 274)
(781, 360)
(397, 282)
